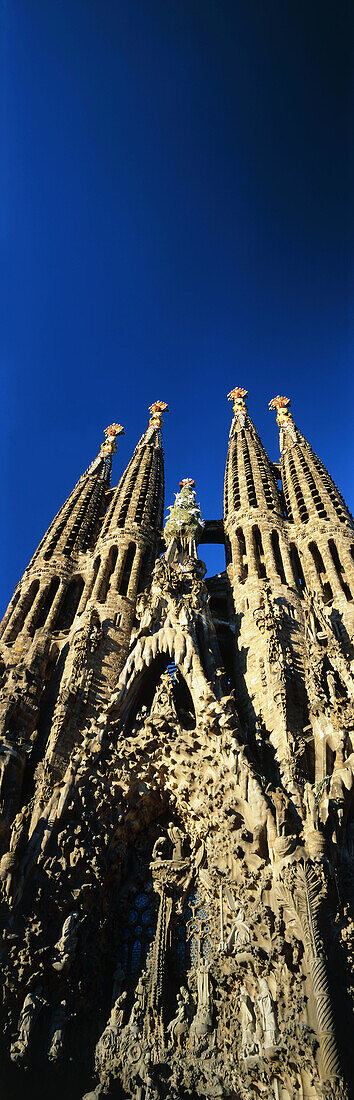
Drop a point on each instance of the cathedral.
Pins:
(177, 781)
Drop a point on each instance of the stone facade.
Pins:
(177, 778)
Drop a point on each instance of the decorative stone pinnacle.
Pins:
(109, 447)
(237, 396)
(282, 406)
(156, 411)
(239, 409)
(284, 420)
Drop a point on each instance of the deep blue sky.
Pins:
(176, 219)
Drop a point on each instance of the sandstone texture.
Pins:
(176, 786)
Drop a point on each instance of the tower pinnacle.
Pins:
(237, 396)
(156, 411)
(288, 435)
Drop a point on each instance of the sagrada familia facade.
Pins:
(176, 786)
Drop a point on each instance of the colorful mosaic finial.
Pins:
(237, 396)
(284, 420)
(156, 411)
(109, 447)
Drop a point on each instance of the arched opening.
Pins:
(297, 567)
(145, 567)
(143, 691)
(242, 554)
(23, 612)
(278, 561)
(259, 552)
(110, 566)
(128, 565)
(339, 568)
(321, 572)
(45, 606)
(69, 605)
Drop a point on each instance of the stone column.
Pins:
(56, 605)
(134, 576)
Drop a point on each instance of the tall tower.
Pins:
(48, 594)
(266, 591)
(322, 524)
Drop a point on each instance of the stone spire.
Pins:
(322, 523)
(132, 528)
(249, 478)
(262, 572)
(308, 488)
(71, 533)
(253, 507)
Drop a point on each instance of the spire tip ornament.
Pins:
(156, 411)
(284, 421)
(109, 447)
(237, 396)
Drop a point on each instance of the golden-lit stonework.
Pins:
(177, 779)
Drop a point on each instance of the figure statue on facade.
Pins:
(249, 1043)
(32, 1005)
(239, 939)
(310, 804)
(180, 1023)
(269, 1027)
(65, 949)
(56, 1044)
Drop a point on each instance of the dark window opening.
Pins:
(145, 569)
(297, 568)
(24, 611)
(243, 554)
(69, 605)
(259, 552)
(277, 556)
(128, 564)
(339, 568)
(44, 609)
(110, 566)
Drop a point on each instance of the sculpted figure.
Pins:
(107, 1046)
(66, 946)
(160, 849)
(29, 1012)
(267, 1015)
(56, 1048)
(310, 806)
(240, 936)
(179, 1025)
(250, 1046)
(281, 803)
(177, 837)
(331, 684)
